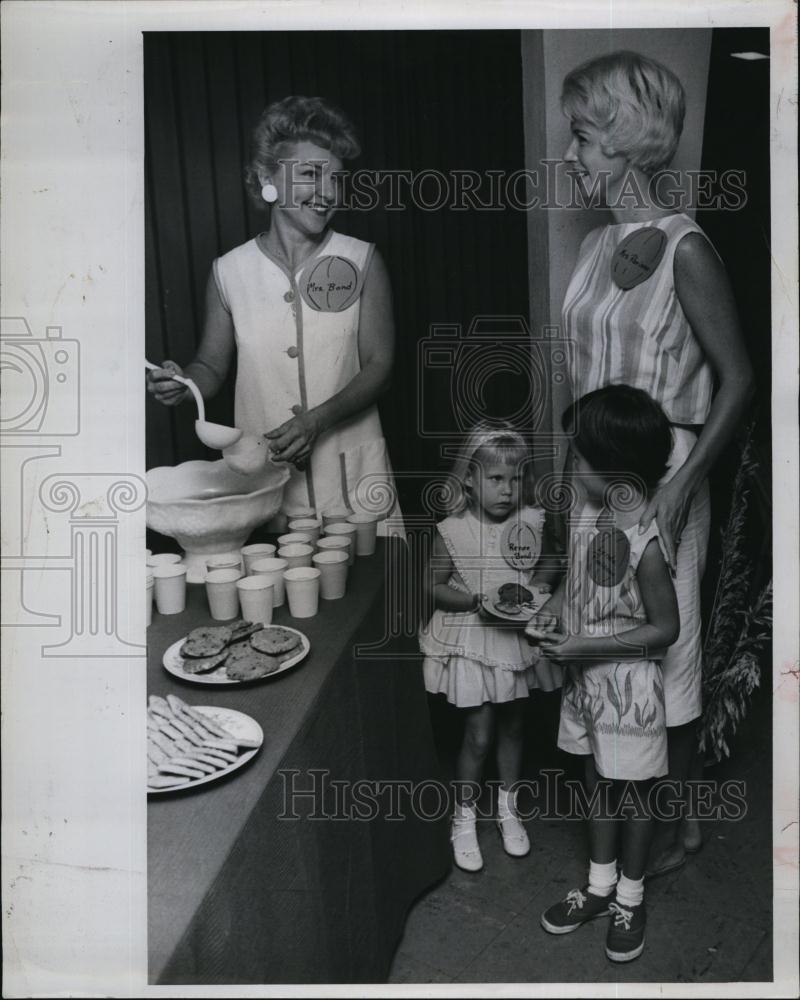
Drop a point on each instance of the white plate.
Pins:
(237, 724)
(173, 663)
(524, 615)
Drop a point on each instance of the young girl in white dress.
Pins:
(482, 664)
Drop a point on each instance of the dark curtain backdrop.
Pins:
(444, 100)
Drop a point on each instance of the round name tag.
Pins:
(609, 553)
(519, 545)
(331, 284)
(637, 257)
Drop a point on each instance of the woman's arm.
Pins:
(293, 440)
(210, 365)
(646, 641)
(439, 571)
(706, 298)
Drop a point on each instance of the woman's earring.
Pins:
(269, 193)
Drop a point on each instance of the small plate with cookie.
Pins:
(515, 603)
(236, 653)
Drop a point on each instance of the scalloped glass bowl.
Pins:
(210, 509)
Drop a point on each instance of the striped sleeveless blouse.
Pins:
(640, 336)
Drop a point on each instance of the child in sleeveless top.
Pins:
(618, 614)
(483, 665)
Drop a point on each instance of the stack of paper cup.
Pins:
(302, 590)
(150, 589)
(296, 555)
(310, 526)
(335, 515)
(273, 570)
(332, 565)
(224, 560)
(256, 594)
(366, 532)
(223, 597)
(253, 553)
(169, 581)
(344, 530)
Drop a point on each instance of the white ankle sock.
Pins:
(506, 802)
(630, 891)
(464, 812)
(602, 878)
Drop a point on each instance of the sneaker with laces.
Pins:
(464, 838)
(625, 938)
(577, 908)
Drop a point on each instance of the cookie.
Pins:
(206, 641)
(274, 640)
(246, 664)
(203, 664)
(243, 630)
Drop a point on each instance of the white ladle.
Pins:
(216, 436)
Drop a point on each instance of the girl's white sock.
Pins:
(630, 891)
(506, 802)
(602, 878)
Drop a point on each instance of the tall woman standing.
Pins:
(308, 313)
(649, 305)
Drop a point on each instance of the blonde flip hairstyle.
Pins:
(486, 443)
(637, 103)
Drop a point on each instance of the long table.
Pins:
(248, 884)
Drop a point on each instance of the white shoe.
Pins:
(466, 853)
(515, 839)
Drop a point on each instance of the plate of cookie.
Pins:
(190, 745)
(235, 653)
(515, 603)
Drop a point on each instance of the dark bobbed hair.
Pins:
(292, 120)
(621, 430)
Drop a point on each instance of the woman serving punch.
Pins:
(308, 312)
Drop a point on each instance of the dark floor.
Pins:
(709, 922)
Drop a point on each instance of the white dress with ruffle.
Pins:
(466, 658)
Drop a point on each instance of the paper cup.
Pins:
(163, 559)
(273, 570)
(366, 533)
(344, 530)
(335, 543)
(223, 597)
(169, 582)
(296, 555)
(254, 553)
(307, 526)
(293, 513)
(302, 591)
(224, 560)
(255, 598)
(150, 591)
(332, 566)
(335, 515)
(295, 538)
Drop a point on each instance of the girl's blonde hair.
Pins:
(636, 102)
(485, 443)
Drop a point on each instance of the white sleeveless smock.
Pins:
(297, 345)
(466, 658)
(642, 337)
(613, 709)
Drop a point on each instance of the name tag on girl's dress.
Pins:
(637, 257)
(519, 545)
(331, 284)
(609, 555)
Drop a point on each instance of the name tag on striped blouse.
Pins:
(637, 257)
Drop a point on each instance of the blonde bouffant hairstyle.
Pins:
(637, 103)
(486, 444)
